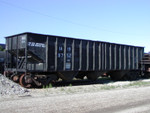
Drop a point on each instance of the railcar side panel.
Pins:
(53, 53)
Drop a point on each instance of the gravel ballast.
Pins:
(120, 97)
(8, 87)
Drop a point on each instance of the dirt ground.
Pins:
(80, 99)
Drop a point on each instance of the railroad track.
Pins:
(82, 82)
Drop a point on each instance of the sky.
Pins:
(116, 21)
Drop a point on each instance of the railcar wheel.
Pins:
(132, 75)
(15, 78)
(146, 75)
(23, 82)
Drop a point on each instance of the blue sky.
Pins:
(117, 21)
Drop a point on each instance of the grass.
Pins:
(139, 84)
(48, 86)
(95, 88)
(70, 85)
(132, 84)
(62, 89)
(105, 87)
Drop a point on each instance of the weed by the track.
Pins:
(48, 86)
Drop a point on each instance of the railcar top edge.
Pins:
(25, 33)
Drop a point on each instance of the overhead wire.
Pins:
(57, 18)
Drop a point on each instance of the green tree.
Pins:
(1, 48)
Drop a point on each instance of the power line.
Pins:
(57, 18)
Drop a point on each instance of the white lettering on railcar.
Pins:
(23, 39)
(68, 55)
(34, 44)
(68, 65)
(60, 55)
(60, 48)
(69, 49)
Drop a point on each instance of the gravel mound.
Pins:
(8, 87)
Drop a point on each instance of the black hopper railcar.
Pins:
(36, 59)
